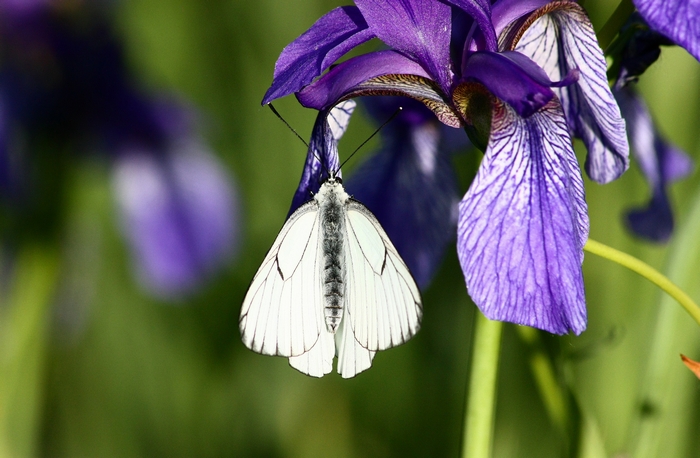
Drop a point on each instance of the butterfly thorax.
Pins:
(332, 200)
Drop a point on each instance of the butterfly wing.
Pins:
(282, 312)
(353, 358)
(383, 302)
(318, 361)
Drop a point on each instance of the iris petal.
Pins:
(660, 162)
(344, 79)
(519, 85)
(559, 41)
(179, 213)
(523, 224)
(480, 10)
(505, 12)
(322, 157)
(333, 35)
(417, 28)
(679, 20)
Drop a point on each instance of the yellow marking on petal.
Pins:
(476, 106)
(416, 87)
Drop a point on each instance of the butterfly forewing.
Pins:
(383, 300)
(280, 313)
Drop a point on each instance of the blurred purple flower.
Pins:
(178, 212)
(520, 77)
(63, 79)
(661, 164)
(5, 174)
(678, 20)
(637, 48)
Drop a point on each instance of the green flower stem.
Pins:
(616, 21)
(553, 396)
(23, 349)
(481, 399)
(647, 272)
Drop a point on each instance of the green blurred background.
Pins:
(92, 366)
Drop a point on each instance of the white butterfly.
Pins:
(332, 284)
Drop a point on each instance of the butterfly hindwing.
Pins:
(382, 299)
(281, 313)
(318, 361)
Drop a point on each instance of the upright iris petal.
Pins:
(314, 51)
(480, 10)
(417, 28)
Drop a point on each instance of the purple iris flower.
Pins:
(637, 48)
(63, 80)
(521, 77)
(678, 20)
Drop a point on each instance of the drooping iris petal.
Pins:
(562, 39)
(509, 81)
(677, 19)
(418, 28)
(179, 213)
(343, 80)
(322, 156)
(480, 10)
(523, 224)
(411, 187)
(660, 162)
(333, 35)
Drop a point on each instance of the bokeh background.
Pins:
(93, 364)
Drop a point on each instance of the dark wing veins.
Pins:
(277, 264)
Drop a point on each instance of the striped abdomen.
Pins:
(333, 256)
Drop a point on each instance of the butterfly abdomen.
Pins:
(331, 199)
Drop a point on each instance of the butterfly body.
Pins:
(331, 285)
(331, 200)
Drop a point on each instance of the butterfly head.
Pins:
(333, 178)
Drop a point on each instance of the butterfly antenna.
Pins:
(274, 110)
(391, 118)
